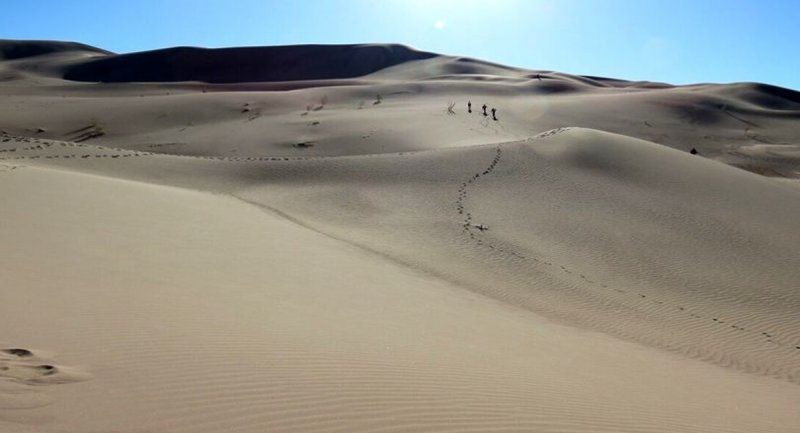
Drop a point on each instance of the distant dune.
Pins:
(329, 238)
(15, 49)
(237, 65)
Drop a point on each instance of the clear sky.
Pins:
(675, 41)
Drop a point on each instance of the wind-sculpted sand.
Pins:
(308, 257)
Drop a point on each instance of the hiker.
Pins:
(484, 110)
(469, 106)
(494, 111)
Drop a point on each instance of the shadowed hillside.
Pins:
(246, 64)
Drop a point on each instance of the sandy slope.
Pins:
(175, 260)
(198, 313)
(339, 116)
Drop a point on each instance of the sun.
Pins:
(439, 24)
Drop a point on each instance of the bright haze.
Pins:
(678, 41)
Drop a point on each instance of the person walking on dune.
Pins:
(469, 106)
(484, 110)
(494, 111)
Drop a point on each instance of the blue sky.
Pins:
(677, 41)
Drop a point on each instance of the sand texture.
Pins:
(306, 239)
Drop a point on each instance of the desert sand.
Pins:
(306, 239)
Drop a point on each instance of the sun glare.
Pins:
(439, 24)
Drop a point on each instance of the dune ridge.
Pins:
(256, 64)
(15, 49)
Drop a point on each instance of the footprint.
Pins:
(30, 373)
(21, 353)
(25, 367)
(46, 369)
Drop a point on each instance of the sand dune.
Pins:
(14, 49)
(301, 255)
(236, 65)
(300, 116)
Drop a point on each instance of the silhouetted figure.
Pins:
(494, 113)
(539, 77)
(469, 106)
(693, 151)
(484, 110)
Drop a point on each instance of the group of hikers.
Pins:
(494, 110)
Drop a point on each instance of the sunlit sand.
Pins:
(222, 244)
